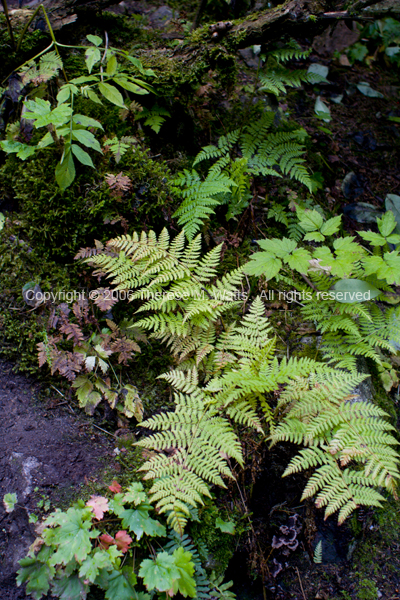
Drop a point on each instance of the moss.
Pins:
(21, 327)
(215, 547)
(57, 224)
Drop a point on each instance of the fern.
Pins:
(276, 78)
(48, 66)
(229, 178)
(119, 147)
(227, 375)
(339, 431)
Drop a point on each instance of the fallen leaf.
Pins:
(99, 504)
(115, 487)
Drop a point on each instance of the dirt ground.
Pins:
(46, 453)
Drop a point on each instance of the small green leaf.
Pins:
(225, 526)
(159, 573)
(277, 247)
(314, 236)
(121, 585)
(95, 39)
(375, 239)
(310, 220)
(263, 263)
(111, 94)
(86, 121)
(392, 202)
(2, 221)
(9, 501)
(69, 587)
(350, 291)
(112, 66)
(65, 171)
(63, 95)
(131, 87)
(387, 223)
(92, 56)
(94, 97)
(86, 138)
(331, 226)
(185, 584)
(82, 156)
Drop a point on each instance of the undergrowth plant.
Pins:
(341, 284)
(117, 545)
(85, 357)
(260, 149)
(275, 78)
(67, 130)
(227, 372)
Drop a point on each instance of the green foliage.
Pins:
(81, 550)
(67, 130)
(119, 147)
(154, 117)
(226, 377)
(9, 501)
(344, 282)
(228, 181)
(275, 78)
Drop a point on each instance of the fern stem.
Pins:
(9, 26)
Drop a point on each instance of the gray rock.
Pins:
(162, 16)
(249, 57)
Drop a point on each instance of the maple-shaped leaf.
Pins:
(185, 584)
(160, 573)
(136, 494)
(123, 541)
(115, 487)
(138, 521)
(121, 585)
(72, 331)
(93, 563)
(72, 537)
(69, 587)
(104, 298)
(99, 505)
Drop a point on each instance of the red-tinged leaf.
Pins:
(106, 540)
(99, 505)
(72, 331)
(123, 541)
(115, 487)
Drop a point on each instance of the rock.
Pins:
(162, 16)
(249, 57)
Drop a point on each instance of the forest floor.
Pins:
(49, 451)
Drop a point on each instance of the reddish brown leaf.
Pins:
(106, 540)
(72, 331)
(123, 541)
(67, 364)
(115, 487)
(104, 298)
(81, 309)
